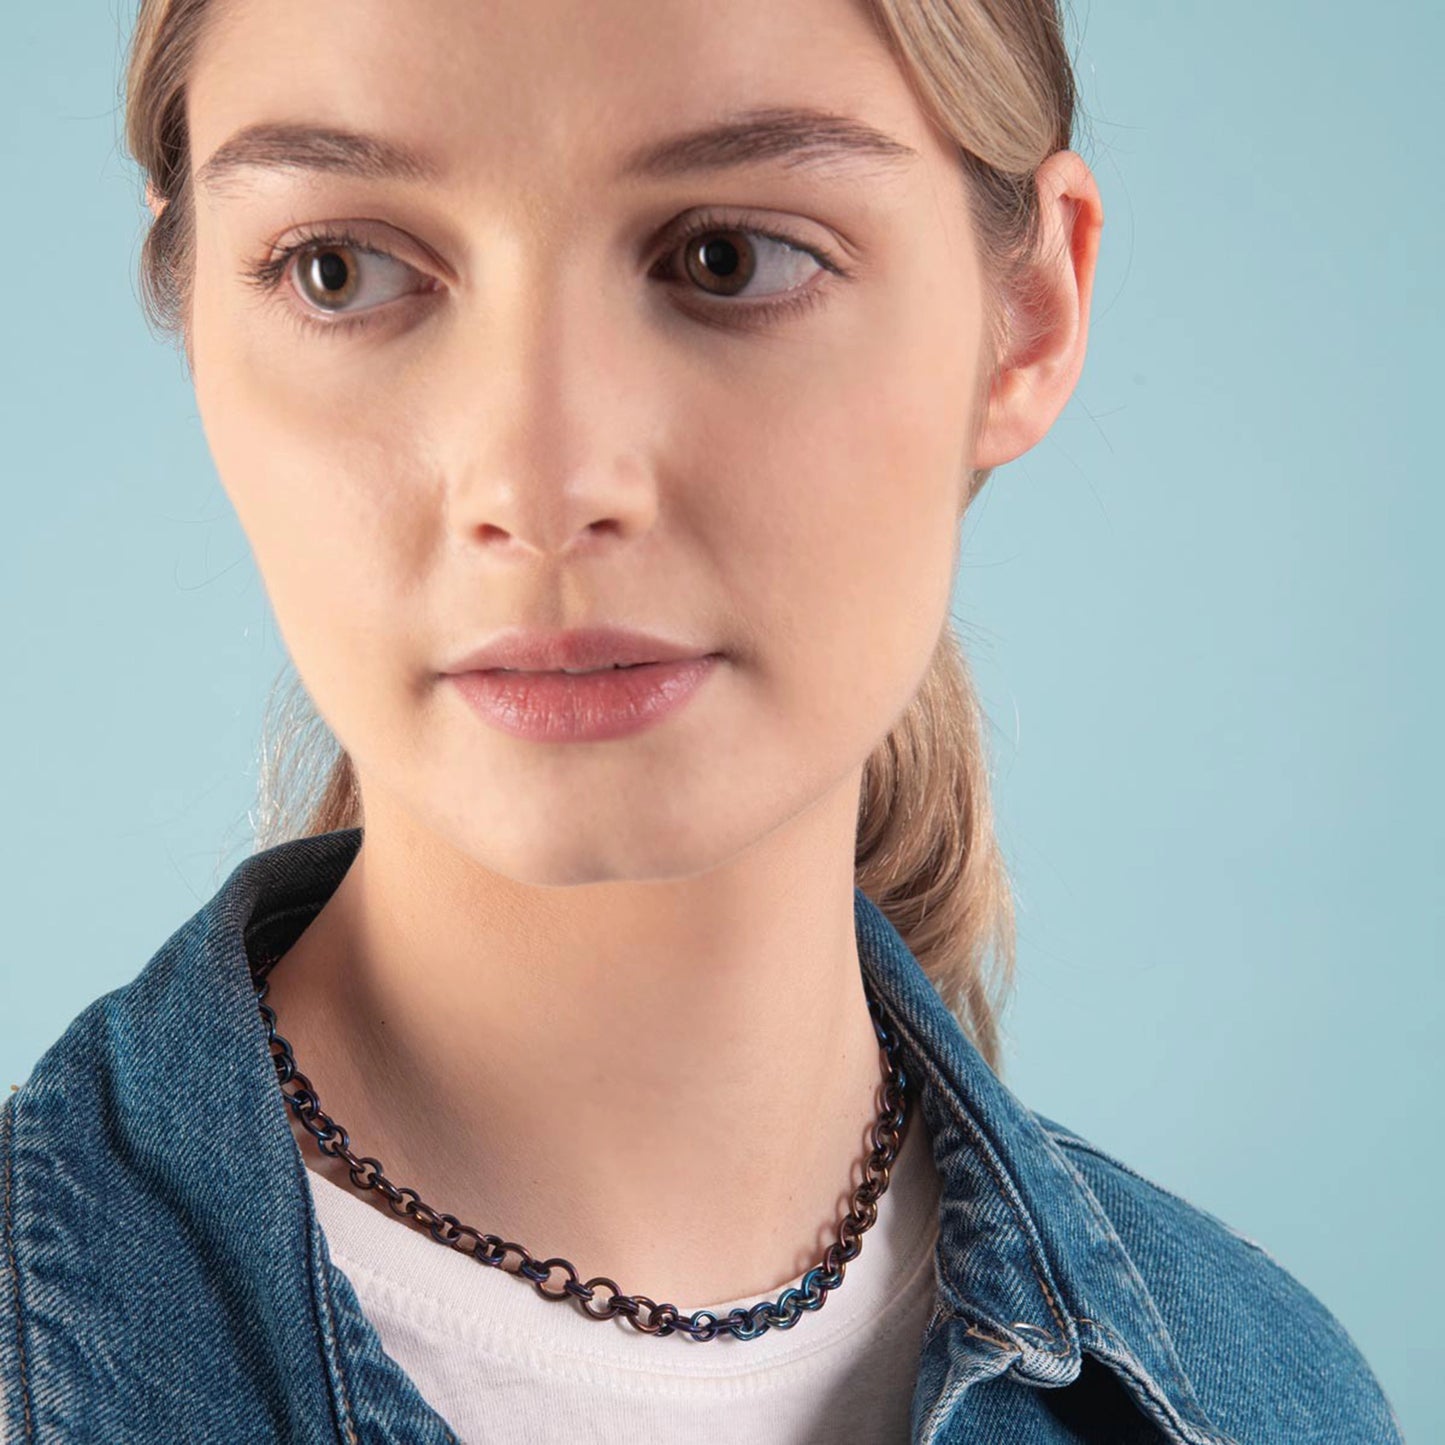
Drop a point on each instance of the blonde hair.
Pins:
(993, 75)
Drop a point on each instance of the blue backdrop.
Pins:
(1203, 614)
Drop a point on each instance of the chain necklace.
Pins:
(662, 1319)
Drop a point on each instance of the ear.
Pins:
(1045, 355)
(153, 200)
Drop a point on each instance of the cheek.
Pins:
(836, 497)
(319, 490)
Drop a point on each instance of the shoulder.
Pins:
(1267, 1359)
(140, 1141)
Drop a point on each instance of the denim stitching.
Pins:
(1068, 1141)
(1175, 1365)
(8, 1123)
(334, 1354)
(1007, 1347)
(985, 1152)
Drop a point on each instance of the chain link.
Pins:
(660, 1319)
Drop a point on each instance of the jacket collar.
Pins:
(1030, 1270)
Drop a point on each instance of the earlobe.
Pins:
(1040, 371)
(154, 200)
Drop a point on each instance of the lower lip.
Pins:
(562, 707)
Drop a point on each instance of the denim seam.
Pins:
(1176, 1366)
(7, 1134)
(985, 1152)
(333, 1353)
(1084, 1147)
(1003, 1346)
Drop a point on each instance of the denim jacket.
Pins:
(164, 1278)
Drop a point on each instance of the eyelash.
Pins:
(267, 275)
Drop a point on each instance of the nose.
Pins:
(555, 394)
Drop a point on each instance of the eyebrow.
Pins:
(792, 135)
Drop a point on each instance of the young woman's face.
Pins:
(529, 402)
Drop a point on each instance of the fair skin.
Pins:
(605, 999)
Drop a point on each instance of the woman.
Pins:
(667, 344)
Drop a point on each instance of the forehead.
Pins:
(560, 85)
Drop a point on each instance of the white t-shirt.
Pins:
(503, 1365)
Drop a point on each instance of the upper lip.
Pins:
(534, 650)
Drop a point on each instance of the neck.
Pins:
(668, 1083)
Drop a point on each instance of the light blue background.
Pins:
(1203, 613)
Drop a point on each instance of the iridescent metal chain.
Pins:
(662, 1319)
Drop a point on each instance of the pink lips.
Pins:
(585, 707)
(538, 650)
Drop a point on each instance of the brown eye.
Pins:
(329, 276)
(728, 261)
(335, 275)
(721, 262)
